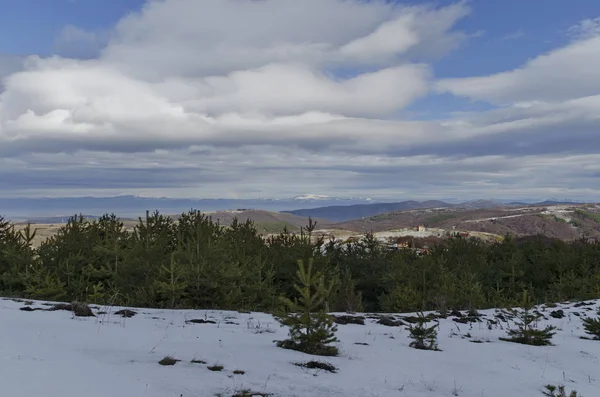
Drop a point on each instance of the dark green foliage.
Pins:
(193, 262)
(239, 372)
(348, 298)
(317, 365)
(554, 391)
(526, 332)
(168, 360)
(311, 328)
(592, 326)
(424, 337)
(216, 368)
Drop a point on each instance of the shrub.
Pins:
(311, 329)
(216, 368)
(526, 333)
(317, 365)
(592, 327)
(554, 391)
(424, 338)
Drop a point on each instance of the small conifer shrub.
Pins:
(558, 391)
(424, 337)
(592, 326)
(312, 330)
(317, 365)
(526, 332)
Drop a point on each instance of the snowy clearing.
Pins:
(52, 353)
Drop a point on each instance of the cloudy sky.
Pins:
(277, 98)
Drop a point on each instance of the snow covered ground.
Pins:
(54, 354)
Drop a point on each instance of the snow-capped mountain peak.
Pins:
(312, 197)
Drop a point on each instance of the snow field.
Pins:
(51, 354)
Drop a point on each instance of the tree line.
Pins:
(194, 262)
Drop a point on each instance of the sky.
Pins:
(279, 98)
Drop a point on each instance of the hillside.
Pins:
(55, 354)
(565, 222)
(266, 221)
(340, 213)
(562, 221)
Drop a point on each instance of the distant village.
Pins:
(421, 245)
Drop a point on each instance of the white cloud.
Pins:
(585, 29)
(221, 36)
(284, 97)
(566, 73)
(229, 70)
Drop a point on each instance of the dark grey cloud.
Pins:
(110, 178)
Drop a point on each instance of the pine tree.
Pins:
(348, 298)
(41, 283)
(311, 328)
(526, 331)
(171, 285)
(445, 289)
(401, 299)
(471, 292)
(424, 338)
(592, 326)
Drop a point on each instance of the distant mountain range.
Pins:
(134, 206)
(335, 209)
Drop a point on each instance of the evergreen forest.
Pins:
(194, 262)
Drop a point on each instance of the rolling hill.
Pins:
(340, 213)
(566, 222)
(562, 221)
